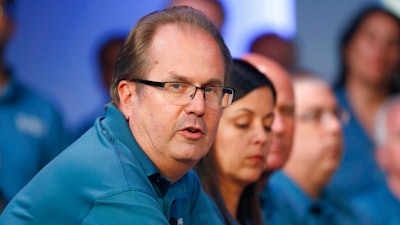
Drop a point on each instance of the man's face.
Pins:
(283, 125)
(317, 142)
(170, 133)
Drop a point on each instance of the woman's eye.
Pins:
(242, 125)
(267, 128)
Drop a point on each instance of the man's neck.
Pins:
(372, 94)
(310, 180)
(171, 168)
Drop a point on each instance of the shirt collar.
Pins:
(119, 127)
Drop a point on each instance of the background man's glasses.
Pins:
(182, 93)
(322, 116)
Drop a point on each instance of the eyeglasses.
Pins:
(322, 116)
(182, 93)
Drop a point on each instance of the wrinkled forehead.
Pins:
(314, 95)
(180, 53)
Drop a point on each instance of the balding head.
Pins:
(283, 126)
(277, 48)
(213, 9)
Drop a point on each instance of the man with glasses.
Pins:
(298, 189)
(134, 165)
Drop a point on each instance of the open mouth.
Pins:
(193, 133)
(193, 130)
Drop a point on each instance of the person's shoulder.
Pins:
(341, 96)
(89, 162)
(37, 103)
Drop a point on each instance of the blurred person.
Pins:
(134, 165)
(283, 128)
(387, 130)
(213, 9)
(106, 58)
(283, 125)
(387, 140)
(298, 189)
(277, 48)
(229, 173)
(31, 128)
(370, 60)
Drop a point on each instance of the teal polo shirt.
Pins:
(32, 133)
(106, 178)
(293, 206)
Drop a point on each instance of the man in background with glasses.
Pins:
(298, 189)
(134, 165)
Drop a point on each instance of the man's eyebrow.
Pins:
(214, 82)
(180, 78)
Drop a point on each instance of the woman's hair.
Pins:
(352, 29)
(244, 79)
(134, 60)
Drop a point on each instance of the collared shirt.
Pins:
(358, 171)
(381, 208)
(393, 205)
(269, 209)
(31, 134)
(292, 206)
(106, 178)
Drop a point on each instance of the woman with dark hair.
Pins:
(370, 58)
(230, 171)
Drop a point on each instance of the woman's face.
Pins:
(373, 53)
(244, 137)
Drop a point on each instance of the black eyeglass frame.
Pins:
(226, 90)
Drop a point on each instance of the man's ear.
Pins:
(126, 90)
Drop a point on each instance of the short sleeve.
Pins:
(130, 207)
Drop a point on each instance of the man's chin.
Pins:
(274, 162)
